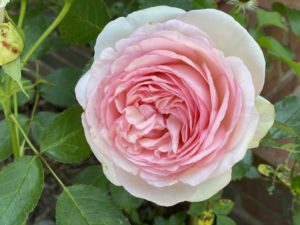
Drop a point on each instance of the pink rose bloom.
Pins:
(172, 102)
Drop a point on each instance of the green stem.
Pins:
(11, 127)
(13, 118)
(15, 100)
(54, 174)
(37, 97)
(49, 30)
(37, 152)
(22, 13)
(12, 133)
(34, 108)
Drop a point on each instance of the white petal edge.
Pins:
(80, 89)
(210, 187)
(122, 27)
(171, 195)
(107, 165)
(266, 119)
(231, 38)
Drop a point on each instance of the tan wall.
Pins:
(291, 3)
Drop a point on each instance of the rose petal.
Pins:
(231, 38)
(80, 89)
(210, 187)
(107, 165)
(171, 195)
(266, 119)
(239, 151)
(123, 27)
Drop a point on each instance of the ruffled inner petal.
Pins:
(170, 103)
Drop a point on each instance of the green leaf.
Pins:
(60, 90)
(5, 142)
(295, 67)
(87, 205)
(275, 48)
(279, 51)
(223, 207)
(294, 20)
(224, 220)
(240, 17)
(197, 208)
(13, 69)
(183, 4)
(280, 8)
(160, 221)
(269, 18)
(287, 113)
(123, 199)
(177, 219)
(39, 124)
(245, 168)
(23, 99)
(84, 21)
(21, 184)
(64, 139)
(296, 216)
(203, 4)
(94, 176)
(295, 185)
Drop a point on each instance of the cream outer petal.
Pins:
(80, 89)
(231, 38)
(176, 193)
(107, 165)
(122, 27)
(266, 119)
(210, 187)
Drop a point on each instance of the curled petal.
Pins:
(80, 89)
(266, 119)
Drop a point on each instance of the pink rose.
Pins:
(172, 102)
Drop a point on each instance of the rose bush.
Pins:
(172, 102)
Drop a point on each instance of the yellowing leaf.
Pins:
(207, 218)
